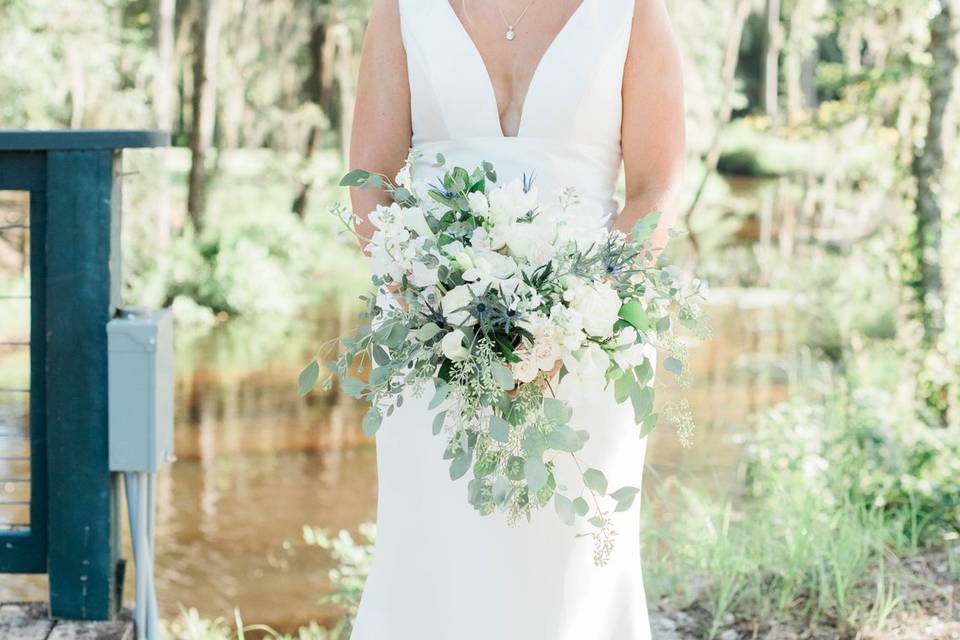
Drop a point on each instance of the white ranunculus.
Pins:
(525, 370)
(599, 306)
(453, 302)
(452, 346)
(414, 220)
(509, 202)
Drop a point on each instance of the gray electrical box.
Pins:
(140, 345)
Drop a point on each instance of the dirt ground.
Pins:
(929, 609)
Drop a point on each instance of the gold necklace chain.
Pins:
(511, 26)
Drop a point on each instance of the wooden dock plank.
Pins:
(31, 621)
(24, 621)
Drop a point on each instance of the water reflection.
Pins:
(256, 462)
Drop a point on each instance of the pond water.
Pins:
(256, 462)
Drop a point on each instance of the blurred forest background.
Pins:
(822, 204)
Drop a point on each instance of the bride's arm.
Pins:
(381, 120)
(653, 121)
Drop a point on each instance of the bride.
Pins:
(566, 91)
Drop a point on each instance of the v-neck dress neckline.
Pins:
(492, 100)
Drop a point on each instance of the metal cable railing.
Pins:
(15, 479)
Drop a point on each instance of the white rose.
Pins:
(453, 302)
(525, 370)
(452, 346)
(599, 306)
(545, 352)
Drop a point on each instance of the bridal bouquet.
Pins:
(489, 297)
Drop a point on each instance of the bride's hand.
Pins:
(394, 289)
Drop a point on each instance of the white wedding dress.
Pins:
(440, 570)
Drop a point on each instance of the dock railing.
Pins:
(59, 508)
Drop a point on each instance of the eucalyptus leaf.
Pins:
(371, 421)
(642, 400)
(499, 429)
(427, 332)
(380, 355)
(564, 438)
(535, 473)
(649, 424)
(673, 365)
(534, 443)
(307, 379)
(624, 497)
(644, 372)
(356, 178)
(564, 507)
(439, 397)
(580, 506)
(556, 410)
(623, 387)
(352, 386)
(501, 490)
(460, 465)
(438, 422)
(502, 376)
(595, 479)
(380, 375)
(645, 226)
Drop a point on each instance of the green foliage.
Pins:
(254, 258)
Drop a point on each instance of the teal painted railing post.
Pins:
(76, 289)
(83, 211)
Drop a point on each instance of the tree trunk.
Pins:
(330, 87)
(929, 170)
(773, 47)
(163, 13)
(205, 45)
(724, 112)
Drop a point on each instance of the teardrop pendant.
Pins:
(511, 34)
